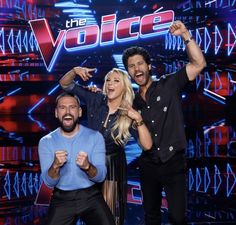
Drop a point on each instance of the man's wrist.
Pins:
(55, 167)
(86, 169)
(74, 72)
(188, 40)
(187, 37)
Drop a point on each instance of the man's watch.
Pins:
(188, 40)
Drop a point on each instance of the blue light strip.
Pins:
(207, 179)
(118, 60)
(30, 183)
(207, 143)
(82, 11)
(26, 73)
(207, 80)
(217, 34)
(2, 43)
(198, 145)
(198, 179)
(25, 41)
(212, 96)
(77, 11)
(23, 184)
(198, 38)
(230, 172)
(230, 45)
(53, 90)
(37, 182)
(217, 174)
(7, 185)
(10, 41)
(12, 92)
(18, 41)
(213, 93)
(207, 3)
(216, 99)
(16, 185)
(31, 41)
(206, 37)
(198, 80)
(69, 4)
(217, 77)
(36, 105)
(159, 9)
(190, 179)
(190, 149)
(79, 15)
(37, 122)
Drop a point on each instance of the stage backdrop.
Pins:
(41, 40)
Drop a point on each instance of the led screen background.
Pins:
(28, 89)
(26, 83)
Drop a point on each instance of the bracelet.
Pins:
(188, 40)
(139, 123)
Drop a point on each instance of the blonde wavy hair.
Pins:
(123, 122)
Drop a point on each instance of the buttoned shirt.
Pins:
(162, 113)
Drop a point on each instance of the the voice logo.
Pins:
(90, 36)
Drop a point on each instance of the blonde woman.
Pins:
(111, 113)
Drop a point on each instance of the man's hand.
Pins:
(94, 88)
(84, 72)
(60, 158)
(82, 160)
(178, 29)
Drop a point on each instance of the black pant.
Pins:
(170, 175)
(67, 207)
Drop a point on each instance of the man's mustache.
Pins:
(69, 115)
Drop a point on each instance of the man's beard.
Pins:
(68, 129)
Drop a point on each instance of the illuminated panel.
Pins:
(218, 39)
(230, 182)
(15, 186)
(80, 38)
(207, 179)
(2, 41)
(231, 39)
(217, 179)
(75, 10)
(133, 188)
(108, 29)
(190, 179)
(22, 68)
(49, 48)
(156, 23)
